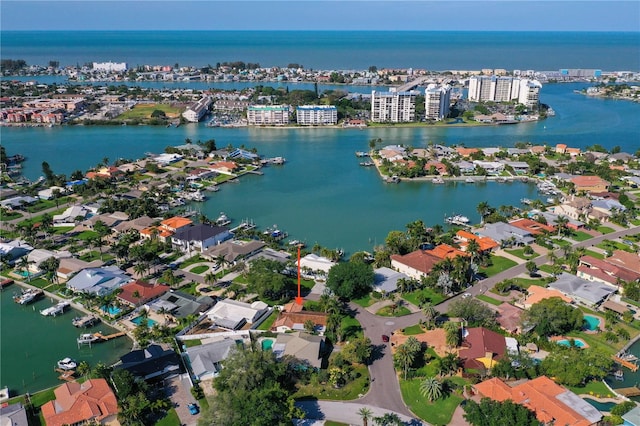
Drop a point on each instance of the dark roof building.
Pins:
(151, 362)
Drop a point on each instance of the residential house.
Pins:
(632, 418)
(416, 264)
(506, 234)
(625, 260)
(199, 237)
(466, 152)
(509, 317)
(37, 256)
(590, 184)
(69, 266)
(98, 281)
(233, 315)
(109, 219)
(152, 362)
(233, 250)
(13, 250)
(294, 318)
(519, 167)
(589, 293)
(93, 401)
(561, 148)
(552, 403)
(175, 223)
(306, 347)
(481, 348)
(18, 203)
(538, 150)
(138, 292)
(441, 168)
(47, 194)
(385, 280)
(491, 167)
(531, 226)
(607, 206)
(316, 263)
(536, 293)
(224, 167)
(485, 244)
(206, 360)
(70, 215)
(109, 172)
(136, 225)
(605, 271)
(445, 251)
(13, 414)
(180, 305)
(574, 208)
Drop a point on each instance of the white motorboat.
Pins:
(87, 338)
(67, 364)
(56, 309)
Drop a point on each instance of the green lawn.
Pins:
(499, 264)
(412, 330)
(525, 283)
(350, 327)
(433, 296)
(190, 288)
(604, 229)
(613, 245)
(594, 254)
(597, 340)
(171, 419)
(488, 299)
(388, 312)
(199, 269)
(595, 387)
(580, 236)
(266, 324)
(437, 413)
(240, 279)
(10, 215)
(332, 423)
(364, 301)
(144, 111)
(192, 342)
(86, 235)
(351, 390)
(62, 229)
(520, 253)
(191, 261)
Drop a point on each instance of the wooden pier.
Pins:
(628, 392)
(103, 338)
(66, 375)
(631, 366)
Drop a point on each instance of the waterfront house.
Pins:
(416, 264)
(589, 293)
(109, 172)
(152, 362)
(138, 292)
(481, 348)
(385, 280)
(175, 223)
(506, 234)
(233, 315)
(466, 152)
(14, 249)
(561, 148)
(224, 167)
(441, 168)
(485, 244)
(536, 294)
(18, 202)
(206, 360)
(632, 418)
(199, 237)
(155, 232)
(93, 401)
(531, 226)
(552, 403)
(13, 414)
(98, 281)
(306, 347)
(491, 167)
(313, 262)
(134, 225)
(233, 250)
(445, 251)
(180, 305)
(243, 155)
(519, 167)
(37, 256)
(69, 266)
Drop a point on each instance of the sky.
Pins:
(471, 15)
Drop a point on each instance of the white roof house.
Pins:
(206, 359)
(70, 214)
(316, 263)
(386, 280)
(99, 281)
(232, 314)
(37, 256)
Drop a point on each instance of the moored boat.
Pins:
(85, 321)
(437, 180)
(67, 364)
(27, 296)
(457, 219)
(55, 309)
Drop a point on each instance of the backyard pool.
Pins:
(111, 310)
(139, 319)
(579, 343)
(601, 406)
(267, 344)
(591, 323)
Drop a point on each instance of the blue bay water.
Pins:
(439, 50)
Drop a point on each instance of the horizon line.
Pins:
(322, 30)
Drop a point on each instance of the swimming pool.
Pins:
(267, 344)
(600, 406)
(579, 343)
(111, 310)
(139, 319)
(591, 323)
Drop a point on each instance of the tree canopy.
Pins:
(575, 367)
(265, 278)
(494, 413)
(552, 316)
(350, 280)
(473, 311)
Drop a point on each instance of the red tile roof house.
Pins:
(481, 344)
(75, 403)
(139, 292)
(510, 318)
(533, 227)
(293, 318)
(552, 403)
(416, 264)
(604, 271)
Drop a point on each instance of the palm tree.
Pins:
(429, 312)
(452, 334)
(140, 268)
(220, 261)
(483, 209)
(23, 265)
(449, 364)
(366, 414)
(210, 278)
(431, 388)
(473, 248)
(404, 357)
(561, 223)
(83, 369)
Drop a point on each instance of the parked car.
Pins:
(466, 295)
(385, 338)
(193, 409)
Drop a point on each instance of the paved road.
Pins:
(347, 412)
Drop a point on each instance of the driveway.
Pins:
(178, 389)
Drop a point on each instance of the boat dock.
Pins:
(246, 224)
(628, 392)
(102, 338)
(85, 321)
(631, 366)
(66, 375)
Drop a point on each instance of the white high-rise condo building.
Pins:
(504, 89)
(110, 66)
(393, 107)
(436, 101)
(268, 115)
(316, 115)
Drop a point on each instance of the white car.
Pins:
(466, 295)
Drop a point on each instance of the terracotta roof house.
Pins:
(288, 321)
(574, 152)
(105, 173)
(138, 293)
(552, 403)
(156, 231)
(590, 184)
(538, 149)
(174, 223)
(224, 167)
(533, 227)
(604, 270)
(441, 168)
(445, 251)
(561, 148)
(486, 244)
(482, 348)
(625, 260)
(416, 264)
(466, 152)
(75, 403)
(537, 293)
